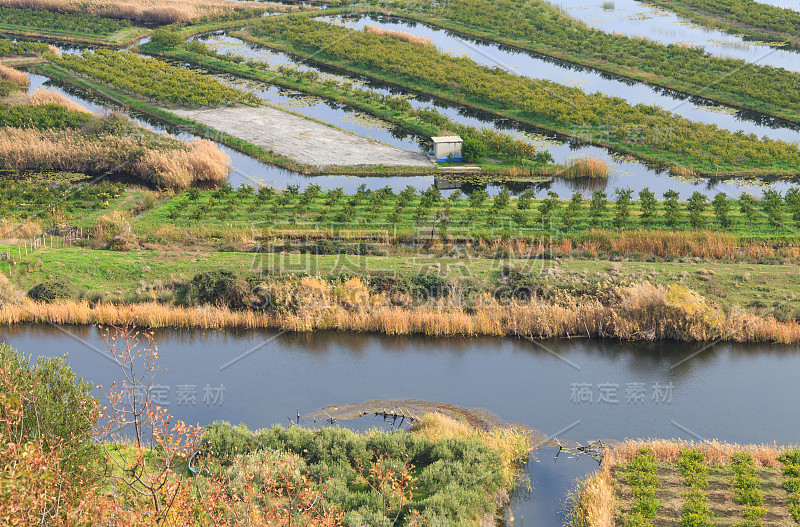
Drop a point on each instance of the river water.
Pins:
(634, 18)
(638, 390)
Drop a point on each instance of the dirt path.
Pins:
(301, 139)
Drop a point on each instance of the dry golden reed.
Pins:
(585, 167)
(14, 75)
(42, 96)
(701, 244)
(716, 452)
(594, 502)
(399, 35)
(72, 151)
(643, 312)
(162, 11)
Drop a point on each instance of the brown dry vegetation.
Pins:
(594, 500)
(14, 75)
(174, 165)
(42, 96)
(586, 166)
(716, 452)
(161, 11)
(701, 244)
(399, 35)
(640, 312)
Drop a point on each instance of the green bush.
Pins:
(53, 290)
(455, 476)
(62, 411)
(473, 150)
(223, 288)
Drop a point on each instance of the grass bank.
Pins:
(120, 39)
(47, 130)
(420, 304)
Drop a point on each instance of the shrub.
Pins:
(62, 409)
(473, 150)
(430, 285)
(223, 288)
(53, 290)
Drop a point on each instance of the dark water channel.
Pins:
(730, 392)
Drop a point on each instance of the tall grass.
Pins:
(641, 312)
(399, 35)
(174, 164)
(594, 500)
(42, 96)
(160, 11)
(663, 243)
(585, 167)
(715, 452)
(14, 75)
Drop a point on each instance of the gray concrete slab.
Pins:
(301, 139)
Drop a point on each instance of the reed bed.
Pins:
(716, 452)
(594, 502)
(585, 167)
(43, 96)
(641, 312)
(399, 35)
(173, 164)
(662, 243)
(160, 11)
(14, 75)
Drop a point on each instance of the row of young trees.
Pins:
(478, 209)
(154, 79)
(9, 47)
(61, 22)
(543, 24)
(42, 117)
(649, 130)
(748, 12)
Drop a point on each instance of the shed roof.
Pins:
(447, 139)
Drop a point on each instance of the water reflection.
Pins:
(635, 18)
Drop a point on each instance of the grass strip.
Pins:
(740, 17)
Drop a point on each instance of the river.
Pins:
(738, 393)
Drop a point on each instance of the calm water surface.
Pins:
(730, 392)
(634, 18)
